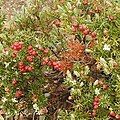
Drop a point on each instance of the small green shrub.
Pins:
(61, 58)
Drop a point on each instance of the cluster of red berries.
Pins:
(96, 103)
(84, 30)
(31, 51)
(46, 50)
(30, 58)
(113, 115)
(17, 46)
(19, 94)
(54, 64)
(23, 68)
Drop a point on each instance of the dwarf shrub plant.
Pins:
(61, 59)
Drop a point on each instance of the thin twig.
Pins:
(33, 115)
(54, 53)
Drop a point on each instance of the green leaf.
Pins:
(77, 73)
(69, 74)
(86, 70)
(1, 47)
(104, 65)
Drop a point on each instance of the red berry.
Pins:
(34, 53)
(112, 114)
(76, 25)
(45, 61)
(56, 67)
(95, 103)
(74, 29)
(18, 94)
(30, 51)
(20, 63)
(94, 113)
(82, 28)
(46, 51)
(54, 63)
(96, 99)
(13, 47)
(30, 68)
(93, 34)
(86, 32)
(30, 58)
(22, 70)
(26, 68)
(96, 107)
(21, 67)
(17, 46)
(49, 63)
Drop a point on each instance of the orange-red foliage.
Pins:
(65, 65)
(75, 51)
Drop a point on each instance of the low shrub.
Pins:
(61, 60)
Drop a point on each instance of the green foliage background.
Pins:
(34, 26)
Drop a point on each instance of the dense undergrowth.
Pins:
(61, 60)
